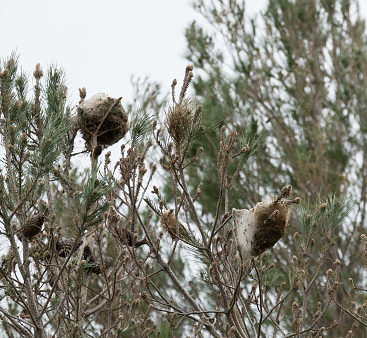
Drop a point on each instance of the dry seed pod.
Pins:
(92, 112)
(259, 228)
(9, 262)
(180, 118)
(64, 246)
(33, 226)
(168, 220)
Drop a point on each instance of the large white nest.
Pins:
(104, 116)
(93, 102)
(245, 228)
(261, 227)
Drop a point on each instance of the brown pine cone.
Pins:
(105, 264)
(127, 237)
(33, 226)
(88, 255)
(64, 246)
(97, 150)
(91, 263)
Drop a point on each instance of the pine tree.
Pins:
(197, 228)
(293, 80)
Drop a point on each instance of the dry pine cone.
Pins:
(105, 264)
(33, 226)
(64, 246)
(88, 255)
(127, 237)
(97, 150)
(92, 264)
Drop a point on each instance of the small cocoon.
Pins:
(259, 228)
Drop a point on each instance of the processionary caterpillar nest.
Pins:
(261, 227)
(104, 117)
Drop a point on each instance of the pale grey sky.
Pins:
(101, 44)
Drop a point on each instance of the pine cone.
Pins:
(91, 263)
(127, 237)
(94, 266)
(88, 255)
(34, 226)
(105, 264)
(97, 150)
(64, 246)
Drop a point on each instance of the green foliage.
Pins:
(335, 212)
(56, 120)
(253, 142)
(271, 277)
(330, 214)
(91, 201)
(293, 89)
(141, 125)
(294, 95)
(147, 97)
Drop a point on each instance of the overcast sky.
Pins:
(101, 44)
